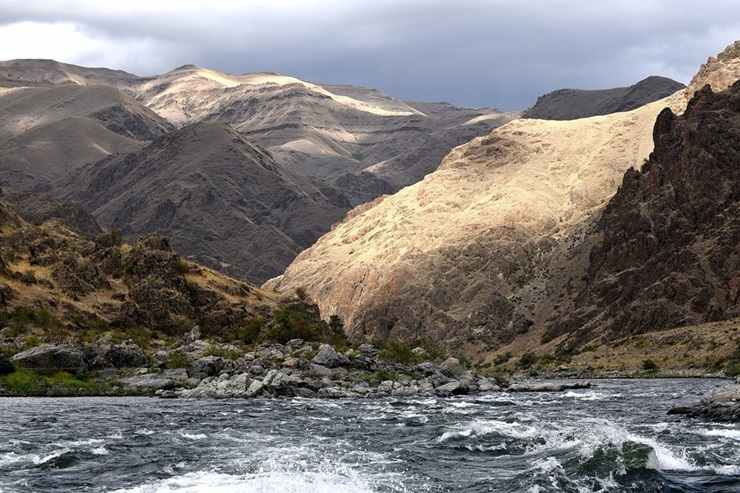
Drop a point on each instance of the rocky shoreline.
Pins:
(295, 369)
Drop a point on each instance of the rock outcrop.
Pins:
(51, 358)
(570, 104)
(722, 404)
(667, 252)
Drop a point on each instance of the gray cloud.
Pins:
(472, 52)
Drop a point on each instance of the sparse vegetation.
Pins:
(502, 358)
(177, 359)
(649, 365)
(732, 368)
(223, 352)
(28, 383)
(527, 360)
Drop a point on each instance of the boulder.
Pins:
(368, 350)
(150, 382)
(419, 352)
(221, 387)
(254, 389)
(126, 355)
(452, 367)
(427, 368)
(52, 357)
(547, 386)
(208, 366)
(451, 388)
(722, 404)
(329, 357)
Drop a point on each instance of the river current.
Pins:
(615, 436)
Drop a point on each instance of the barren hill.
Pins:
(47, 131)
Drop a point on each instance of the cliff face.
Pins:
(668, 248)
(569, 104)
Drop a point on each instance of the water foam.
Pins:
(268, 482)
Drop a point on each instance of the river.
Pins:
(615, 436)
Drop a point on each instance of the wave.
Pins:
(592, 442)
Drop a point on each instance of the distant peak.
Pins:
(188, 66)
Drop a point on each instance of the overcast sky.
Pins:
(500, 53)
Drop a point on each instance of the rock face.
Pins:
(50, 358)
(223, 201)
(720, 72)
(570, 104)
(668, 248)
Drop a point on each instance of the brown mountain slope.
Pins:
(667, 251)
(48, 131)
(569, 104)
(220, 199)
(486, 246)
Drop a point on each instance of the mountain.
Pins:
(332, 147)
(47, 131)
(485, 249)
(570, 104)
(326, 131)
(667, 246)
(221, 200)
(39, 72)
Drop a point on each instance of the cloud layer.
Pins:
(500, 53)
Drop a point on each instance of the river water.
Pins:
(613, 437)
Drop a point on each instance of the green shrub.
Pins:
(182, 266)
(249, 333)
(547, 360)
(732, 369)
(299, 321)
(399, 352)
(222, 352)
(502, 358)
(527, 360)
(27, 382)
(177, 359)
(649, 365)
(23, 316)
(31, 342)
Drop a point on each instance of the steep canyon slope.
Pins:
(490, 244)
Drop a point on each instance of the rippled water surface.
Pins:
(613, 437)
